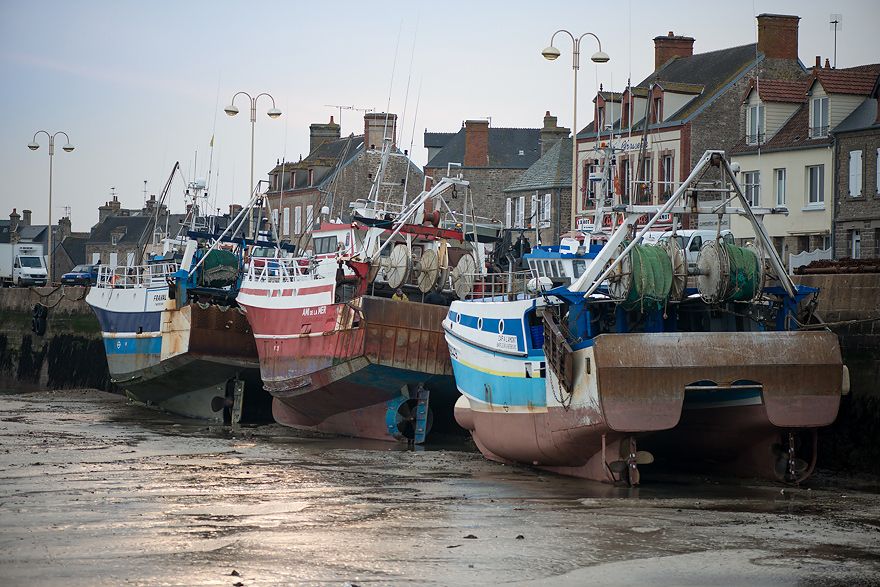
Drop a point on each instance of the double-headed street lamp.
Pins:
(274, 112)
(33, 146)
(551, 53)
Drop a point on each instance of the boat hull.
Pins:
(178, 360)
(347, 368)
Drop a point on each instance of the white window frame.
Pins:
(855, 174)
(819, 117)
(668, 184)
(752, 185)
(297, 220)
(535, 217)
(508, 214)
(855, 243)
(547, 208)
(755, 124)
(96, 257)
(286, 222)
(779, 180)
(819, 201)
(114, 259)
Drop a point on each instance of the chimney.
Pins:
(25, 217)
(672, 45)
(13, 221)
(476, 143)
(322, 133)
(818, 61)
(64, 228)
(551, 133)
(778, 36)
(827, 63)
(376, 125)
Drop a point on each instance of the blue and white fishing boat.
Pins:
(619, 347)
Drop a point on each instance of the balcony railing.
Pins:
(818, 132)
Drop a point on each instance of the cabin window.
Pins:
(479, 323)
(324, 245)
(579, 267)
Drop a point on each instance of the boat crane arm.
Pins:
(235, 221)
(442, 187)
(594, 274)
(597, 272)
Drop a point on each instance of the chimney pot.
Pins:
(671, 34)
(818, 61)
(25, 217)
(827, 63)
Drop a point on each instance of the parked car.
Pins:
(81, 275)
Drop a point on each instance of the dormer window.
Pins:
(819, 117)
(755, 124)
(657, 110)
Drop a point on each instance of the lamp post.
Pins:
(273, 112)
(550, 54)
(33, 146)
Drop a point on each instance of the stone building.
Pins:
(337, 172)
(688, 104)
(857, 171)
(491, 159)
(786, 152)
(546, 185)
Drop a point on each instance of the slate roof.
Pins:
(713, 71)
(864, 117)
(794, 134)
(788, 91)
(323, 161)
(4, 231)
(505, 145)
(852, 80)
(551, 171)
(134, 229)
(75, 246)
(437, 139)
(32, 233)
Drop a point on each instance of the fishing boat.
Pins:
(628, 355)
(338, 352)
(174, 336)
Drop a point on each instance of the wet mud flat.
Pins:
(96, 491)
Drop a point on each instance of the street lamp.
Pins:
(33, 146)
(274, 112)
(551, 53)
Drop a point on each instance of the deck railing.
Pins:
(281, 270)
(500, 287)
(152, 275)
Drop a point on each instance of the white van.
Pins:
(691, 241)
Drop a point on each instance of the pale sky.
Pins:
(139, 85)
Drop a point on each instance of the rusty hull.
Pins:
(800, 374)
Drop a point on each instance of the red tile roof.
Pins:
(773, 90)
(853, 80)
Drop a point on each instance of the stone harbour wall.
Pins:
(71, 352)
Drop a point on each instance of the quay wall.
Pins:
(70, 354)
(853, 442)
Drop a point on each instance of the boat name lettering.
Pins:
(318, 311)
(160, 297)
(507, 342)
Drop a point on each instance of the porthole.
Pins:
(458, 318)
(501, 327)
(479, 323)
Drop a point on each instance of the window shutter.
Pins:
(535, 217)
(286, 227)
(310, 218)
(508, 214)
(548, 213)
(297, 220)
(275, 218)
(521, 212)
(855, 173)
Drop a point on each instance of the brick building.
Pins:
(337, 172)
(857, 166)
(688, 104)
(491, 159)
